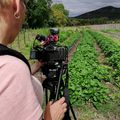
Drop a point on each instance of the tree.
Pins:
(38, 13)
(59, 15)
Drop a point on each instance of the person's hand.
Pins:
(36, 67)
(56, 110)
(41, 77)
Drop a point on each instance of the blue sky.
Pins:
(77, 7)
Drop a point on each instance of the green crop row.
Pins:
(112, 52)
(84, 85)
(64, 35)
(71, 39)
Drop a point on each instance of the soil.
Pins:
(101, 56)
(73, 49)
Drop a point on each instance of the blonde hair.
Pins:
(4, 3)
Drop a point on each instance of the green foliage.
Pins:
(65, 35)
(41, 14)
(103, 73)
(71, 39)
(58, 16)
(38, 13)
(84, 85)
(112, 52)
(75, 21)
(60, 7)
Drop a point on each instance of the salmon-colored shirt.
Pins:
(20, 93)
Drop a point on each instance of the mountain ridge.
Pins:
(109, 12)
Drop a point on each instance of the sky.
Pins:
(78, 7)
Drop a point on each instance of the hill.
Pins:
(109, 12)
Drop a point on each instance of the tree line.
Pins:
(93, 21)
(43, 13)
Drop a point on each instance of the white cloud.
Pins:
(77, 7)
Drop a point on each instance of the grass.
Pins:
(109, 111)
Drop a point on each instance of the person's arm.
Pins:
(36, 67)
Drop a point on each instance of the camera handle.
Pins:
(55, 92)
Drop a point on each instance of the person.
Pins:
(20, 92)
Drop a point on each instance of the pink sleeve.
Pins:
(18, 100)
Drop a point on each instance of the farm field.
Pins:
(94, 69)
(115, 34)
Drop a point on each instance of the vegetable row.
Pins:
(112, 53)
(85, 85)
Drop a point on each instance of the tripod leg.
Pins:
(67, 114)
(72, 111)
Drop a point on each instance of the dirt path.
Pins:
(101, 56)
(73, 49)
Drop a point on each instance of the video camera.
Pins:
(49, 52)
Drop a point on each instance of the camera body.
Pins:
(49, 53)
(48, 50)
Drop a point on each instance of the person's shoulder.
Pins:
(13, 63)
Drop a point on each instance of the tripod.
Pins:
(58, 88)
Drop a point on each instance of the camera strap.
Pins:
(4, 50)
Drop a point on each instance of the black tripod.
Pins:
(58, 87)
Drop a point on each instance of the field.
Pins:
(94, 68)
